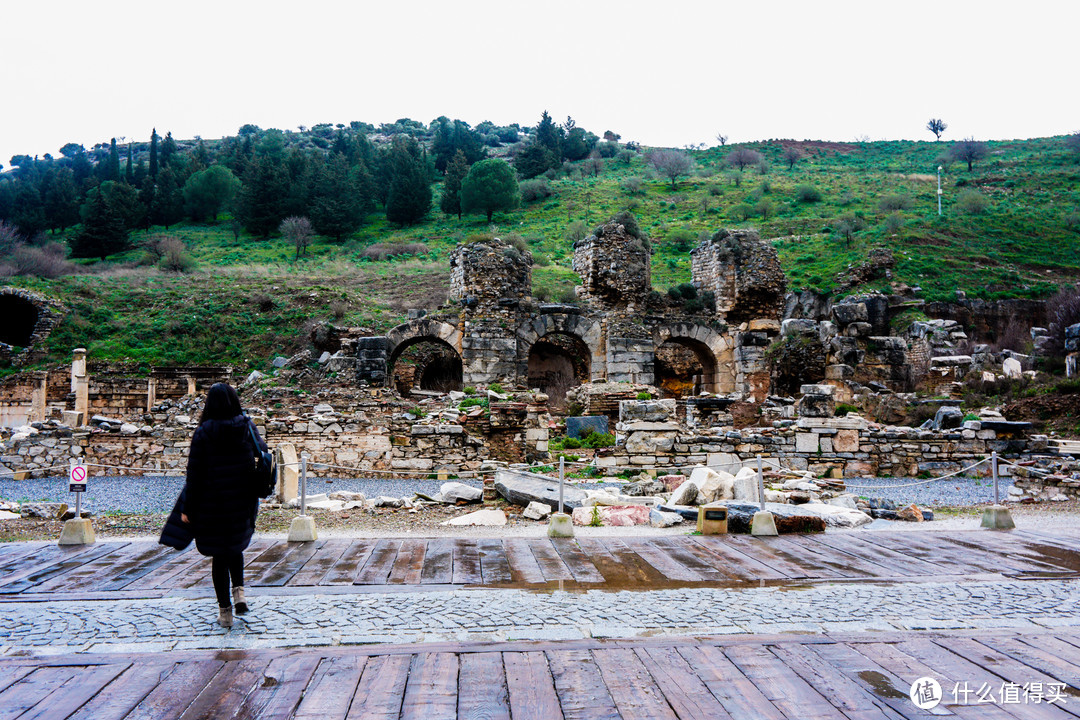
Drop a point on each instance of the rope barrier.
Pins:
(13, 473)
(920, 482)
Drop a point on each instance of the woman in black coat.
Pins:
(219, 503)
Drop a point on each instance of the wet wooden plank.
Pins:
(855, 702)
(176, 565)
(11, 674)
(784, 689)
(280, 689)
(581, 567)
(84, 684)
(226, 692)
(1045, 653)
(879, 681)
(466, 563)
(381, 689)
(482, 691)
(1008, 553)
(330, 692)
(678, 548)
(893, 564)
(494, 566)
(431, 690)
(315, 569)
(377, 569)
(59, 569)
(409, 567)
(637, 569)
(824, 562)
(660, 559)
(176, 691)
(1008, 667)
(259, 566)
(251, 554)
(760, 548)
(969, 670)
(905, 666)
(87, 574)
(913, 555)
(738, 695)
(344, 571)
(197, 575)
(438, 562)
(956, 559)
(632, 688)
(685, 692)
(530, 686)
(616, 571)
(523, 564)
(117, 700)
(580, 686)
(146, 563)
(551, 565)
(41, 557)
(731, 559)
(282, 573)
(32, 689)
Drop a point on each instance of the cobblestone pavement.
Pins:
(278, 620)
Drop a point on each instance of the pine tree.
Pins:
(103, 231)
(154, 154)
(168, 149)
(129, 172)
(409, 197)
(338, 201)
(266, 185)
(112, 164)
(450, 203)
(490, 186)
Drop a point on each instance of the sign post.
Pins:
(78, 530)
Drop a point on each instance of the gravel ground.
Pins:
(951, 492)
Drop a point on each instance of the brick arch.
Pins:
(587, 331)
(717, 349)
(407, 334)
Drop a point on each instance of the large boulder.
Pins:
(453, 492)
(808, 517)
(522, 488)
(685, 494)
(612, 515)
(713, 485)
(745, 486)
(948, 417)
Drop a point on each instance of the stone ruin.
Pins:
(28, 319)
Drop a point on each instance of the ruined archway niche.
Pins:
(744, 274)
(26, 319)
(490, 274)
(684, 368)
(615, 268)
(556, 363)
(426, 364)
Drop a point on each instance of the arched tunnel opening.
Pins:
(557, 363)
(20, 317)
(427, 365)
(684, 369)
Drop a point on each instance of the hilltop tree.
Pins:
(672, 164)
(490, 186)
(936, 126)
(969, 150)
(168, 149)
(452, 138)
(792, 155)
(409, 193)
(549, 137)
(450, 202)
(111, 169)
(154, 154)
(740, 158)
(722, 139)
(209, 190)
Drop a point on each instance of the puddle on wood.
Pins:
(881, 684)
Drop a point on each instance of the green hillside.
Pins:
(1010, 228)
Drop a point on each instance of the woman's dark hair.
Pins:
(222, 403)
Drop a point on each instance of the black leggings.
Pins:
(222, 568)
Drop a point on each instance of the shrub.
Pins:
(972, 202)
(388, 251)
(535, 189)
(174, 255)
(682, 239)
(495, 387)
(469, 390)
(43, 262)
(417, 412)
(576, 231)
(571, 443)
(339, 308)
(595, 440)
(644, 396)
(743, 211)
(807, 194)
(843, 409)
(895, 202)
(1068, 387)
(633, 186)
(893, 223)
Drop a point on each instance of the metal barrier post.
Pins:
(760, 484)
(303, 483)
(562, 480)
(763, 523)
(997, 517)
(994, 468)
(302, 528)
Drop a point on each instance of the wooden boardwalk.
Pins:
(859, 677)
(145, 569)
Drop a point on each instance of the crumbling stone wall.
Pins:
(27, 320)
(490, 274)
(615, 267)
(743, 273)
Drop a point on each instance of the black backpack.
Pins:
(263, 478)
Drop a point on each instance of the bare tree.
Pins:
(969, 150)
(936, 126)
(671, 164)
(743, 157)
(297, 230)
(792, 155)
(722, 139)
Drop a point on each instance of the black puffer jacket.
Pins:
(219, 502)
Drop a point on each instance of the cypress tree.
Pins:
(129, 172)
(112, 170)
(450, 203)
(154, 154)
(409, 197)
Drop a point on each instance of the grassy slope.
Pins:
(1022, 245)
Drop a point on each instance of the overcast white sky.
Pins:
(662, 73)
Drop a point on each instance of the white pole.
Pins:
(303, 483)
(994, 466)
(562, 480)
(760, 483)
(939, 190)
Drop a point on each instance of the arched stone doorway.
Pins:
(556, 363)
(20, 318)
(424, 355)
(692, 358)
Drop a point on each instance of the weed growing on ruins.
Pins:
(595, 521)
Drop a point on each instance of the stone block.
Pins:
(806, 443)
(846, 441)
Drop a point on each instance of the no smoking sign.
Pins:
(77, 479)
